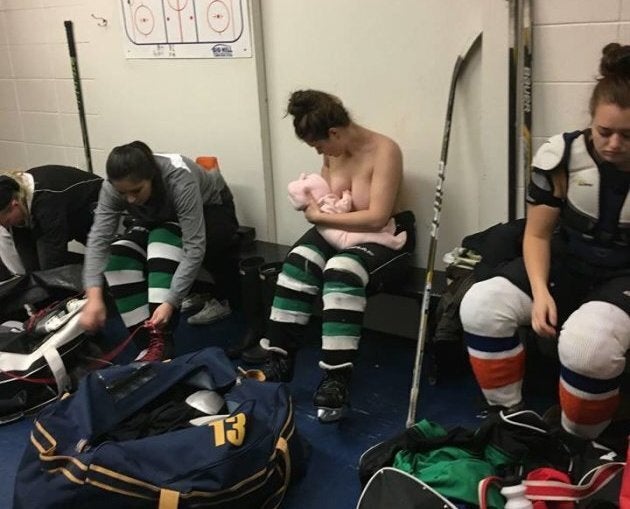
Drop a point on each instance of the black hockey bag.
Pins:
(38, 358)
(390, 487)
(38, 288)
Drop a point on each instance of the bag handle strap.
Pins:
(169, 499)
(482, 489)
(58, 369)
(282, 447)
(556, 490)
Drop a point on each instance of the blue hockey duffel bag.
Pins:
(185, 433)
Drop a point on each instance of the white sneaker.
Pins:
(212, 311)
(462, 256)
(194, 302)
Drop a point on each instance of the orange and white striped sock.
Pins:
(588, 404)
(499, 366)
(592, 348)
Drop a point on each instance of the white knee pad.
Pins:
(594, 340)
(495, 308)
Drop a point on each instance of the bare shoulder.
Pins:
(387, 153)
(386, 144)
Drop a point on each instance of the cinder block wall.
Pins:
(568, 36)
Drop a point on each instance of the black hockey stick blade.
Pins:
(435, 226)
(462, 58)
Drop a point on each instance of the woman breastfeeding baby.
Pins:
(351, 245)
(312, 186)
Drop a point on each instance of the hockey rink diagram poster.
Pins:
(186, 28)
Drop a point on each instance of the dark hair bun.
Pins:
(314, 112)
(302, 102)
(615, 61)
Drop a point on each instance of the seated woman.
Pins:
(182, 217)
(573, 281)
(368, 164)
(41, 210)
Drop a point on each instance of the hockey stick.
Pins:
(525, 132)
(437, 208)
(78, 92)
(520, 120)
(513, 120)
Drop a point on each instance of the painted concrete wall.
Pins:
(192, 106)
(568, 38)
(390, 62)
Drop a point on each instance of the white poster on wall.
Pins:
(186, 28)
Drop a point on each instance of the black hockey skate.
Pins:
(332, 397)
(279, 367)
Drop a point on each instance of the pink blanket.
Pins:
(313, 184)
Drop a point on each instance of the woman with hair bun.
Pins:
(573, 281)
(369, 165)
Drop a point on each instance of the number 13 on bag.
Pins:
(230, 430)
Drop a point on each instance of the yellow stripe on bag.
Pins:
(64, 459)
(41, 448)
(169, 499)
(283, 447)
(289, 417)
(229, 492)
(122, 477)
(71, 477)
(107, 487)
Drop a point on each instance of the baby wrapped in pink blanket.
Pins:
(313, 184)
